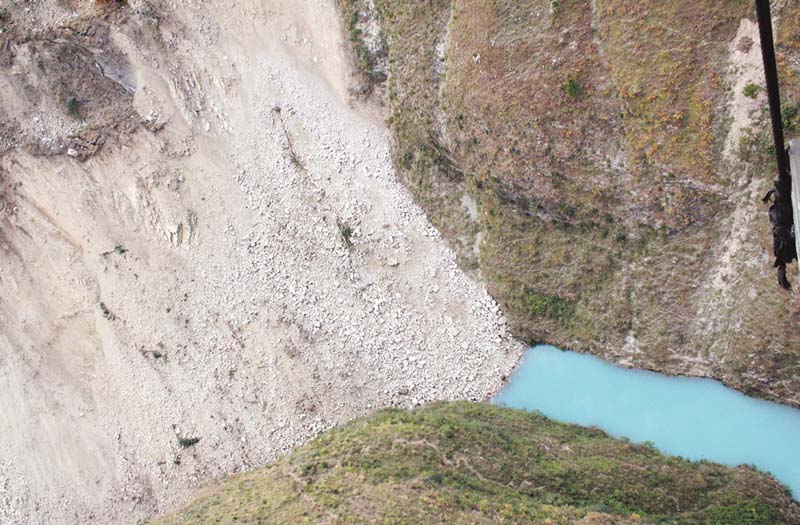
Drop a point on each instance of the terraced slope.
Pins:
(475, 463)
(600, 165)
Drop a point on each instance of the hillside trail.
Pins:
(249, 274)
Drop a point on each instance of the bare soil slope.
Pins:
(205, 258)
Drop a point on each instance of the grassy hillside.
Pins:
(572, 153)
(475, 463)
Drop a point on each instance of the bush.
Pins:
(573, 88)
(188, 442)
(106, 312)
(72, 108)
(788, 113)
(346, 233)
(552, 306)
(751, 90)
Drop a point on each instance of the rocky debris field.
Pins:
(201, 295)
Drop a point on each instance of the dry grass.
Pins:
(589, 134)
(788, 58)
(666, 60)
(421, 153)
(515, 124)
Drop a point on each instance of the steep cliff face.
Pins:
(600, 165)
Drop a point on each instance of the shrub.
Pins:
(106, 312)
(573, 88)
(751, 90)
(346, 232)
(788, 113)
(188, 442)
(552, 306)
(72, 107)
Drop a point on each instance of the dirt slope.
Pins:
(200, 239)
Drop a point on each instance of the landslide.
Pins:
(205, 256)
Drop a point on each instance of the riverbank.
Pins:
(696, 419)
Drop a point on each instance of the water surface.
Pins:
(688, 417)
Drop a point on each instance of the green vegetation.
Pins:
(789, 111)
(551, 306)
(573, 88)
(751, 90)
(345, 232)
(106, 312)
(73, 108)
(187, 442)
(118, 249)
(465, 463)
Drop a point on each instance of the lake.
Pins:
(688, 417)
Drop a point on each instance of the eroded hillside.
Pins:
(205, 256)
(600, 165)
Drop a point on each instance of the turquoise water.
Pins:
(692, 418)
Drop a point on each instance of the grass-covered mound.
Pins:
(476, 463)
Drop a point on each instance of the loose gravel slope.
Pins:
(244, 269)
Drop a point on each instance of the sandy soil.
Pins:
(244, 268)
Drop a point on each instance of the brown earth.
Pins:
(598, 164)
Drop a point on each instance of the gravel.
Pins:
(240, 313)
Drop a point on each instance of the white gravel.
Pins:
(240, 313)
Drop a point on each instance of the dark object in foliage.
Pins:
(188, 442)
(106, 312)
(783, 241)
(73, 109)
(346, 233)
